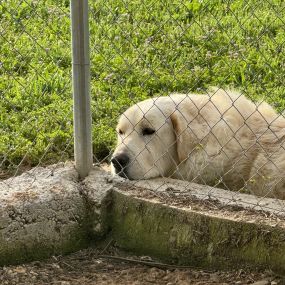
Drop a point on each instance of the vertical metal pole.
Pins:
(81, 87)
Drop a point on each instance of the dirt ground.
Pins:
(85, 267)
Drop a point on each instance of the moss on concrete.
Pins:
(21, 251)
(186, 237)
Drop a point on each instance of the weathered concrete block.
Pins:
(41, 213)
(164, 218)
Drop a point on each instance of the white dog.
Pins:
(221, 139)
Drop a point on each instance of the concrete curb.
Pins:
(197, 225)
(190, 237)
(48, 211)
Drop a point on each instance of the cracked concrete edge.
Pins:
(97, 191)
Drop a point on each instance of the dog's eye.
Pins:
(148, 131)
(120, 132)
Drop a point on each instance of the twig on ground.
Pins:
(151, 263)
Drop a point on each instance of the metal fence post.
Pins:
(81, 86)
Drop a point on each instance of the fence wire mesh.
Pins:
(36, 124)
(151, 49)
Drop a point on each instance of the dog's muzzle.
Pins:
(120, 163)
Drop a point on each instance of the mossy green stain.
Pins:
(193, 238)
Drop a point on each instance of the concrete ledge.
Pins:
(41, 214)
(48, 211)
(164, 218)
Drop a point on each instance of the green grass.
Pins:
(139, 49)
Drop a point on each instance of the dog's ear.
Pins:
(190, 129)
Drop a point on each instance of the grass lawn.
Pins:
(139, 49)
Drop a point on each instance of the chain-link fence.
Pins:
(35, 85)
(225, 138)
(151, 49)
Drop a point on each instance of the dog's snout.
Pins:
(120, 161)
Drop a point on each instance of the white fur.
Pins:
(221, 139)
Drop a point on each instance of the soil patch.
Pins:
(85, 267)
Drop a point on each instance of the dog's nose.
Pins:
(120, 161)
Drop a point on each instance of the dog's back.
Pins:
(262, 161)
(244, 147)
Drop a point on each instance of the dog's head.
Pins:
(146, 146)
(154, 136)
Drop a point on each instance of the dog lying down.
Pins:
(222, 139)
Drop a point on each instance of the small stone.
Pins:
(146, 258)
(55, 265)
(10, 272)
